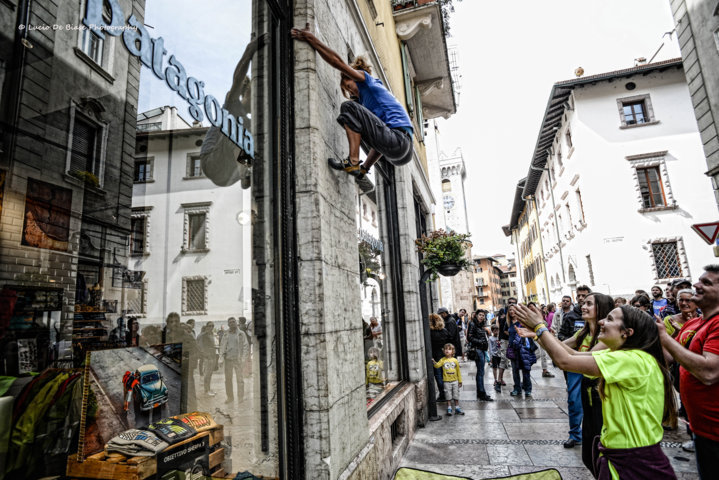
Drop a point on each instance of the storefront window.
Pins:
(378, 290)
(137, 213)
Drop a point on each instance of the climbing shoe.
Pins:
(346, 165)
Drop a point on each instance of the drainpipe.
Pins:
(18, 67)
(556, 223)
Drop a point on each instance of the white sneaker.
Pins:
(210, 393)
(688, 446)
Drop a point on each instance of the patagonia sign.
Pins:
(152, 53)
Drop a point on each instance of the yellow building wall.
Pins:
(535, 288)
(540, 281)
(387, 45)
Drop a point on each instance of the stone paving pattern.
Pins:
(513, 435)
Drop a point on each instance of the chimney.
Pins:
(640, 61)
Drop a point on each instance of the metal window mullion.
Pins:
(645, 172)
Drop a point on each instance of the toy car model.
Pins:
(150, 391)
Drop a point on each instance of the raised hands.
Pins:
(525, 332)
(530, 317)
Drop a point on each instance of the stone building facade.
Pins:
(341, 440)
(523, 231)
(697, 28)
(638, 121)
(487, 287)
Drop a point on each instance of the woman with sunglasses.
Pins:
(687, 311)
(635, 387)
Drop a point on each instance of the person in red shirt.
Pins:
(129, 381)
(699, 371)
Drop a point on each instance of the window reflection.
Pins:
(137, 232)
(376, 290)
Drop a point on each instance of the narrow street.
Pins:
(514, 435)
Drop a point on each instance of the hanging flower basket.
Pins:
(449, 269)
(443, 253)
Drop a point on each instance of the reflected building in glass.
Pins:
(185, 287)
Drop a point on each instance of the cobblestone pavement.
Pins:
(514, 435)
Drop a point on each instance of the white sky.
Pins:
(510, 54)
(207, 44)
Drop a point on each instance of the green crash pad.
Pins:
(413, 474)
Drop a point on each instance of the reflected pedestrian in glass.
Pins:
(233, 349)
(208, 352)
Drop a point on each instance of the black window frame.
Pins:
(386, 172)
(142, 220)
(136, 178)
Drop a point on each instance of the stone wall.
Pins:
(381, 456)
(340, 441)
(335, 416)
(697, 23)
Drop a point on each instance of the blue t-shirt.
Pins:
(659, 306)
(377, 99)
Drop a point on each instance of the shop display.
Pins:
(135, 387)
(47, 405)
(141, 454)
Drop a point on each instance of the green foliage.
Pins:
(447, 9)
(88, 177)
(369, 261)
(441, 248)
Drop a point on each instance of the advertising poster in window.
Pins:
(47, 216)
(133, 388)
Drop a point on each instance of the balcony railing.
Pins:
(397, 4)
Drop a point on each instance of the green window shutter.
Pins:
(407, 80)
(420, 116)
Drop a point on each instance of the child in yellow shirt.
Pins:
(374, 378)
(452, 378)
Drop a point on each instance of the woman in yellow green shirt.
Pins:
(635, 387)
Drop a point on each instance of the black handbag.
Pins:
(472, 354)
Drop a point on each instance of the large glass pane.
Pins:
(377, 289)
(137, 212)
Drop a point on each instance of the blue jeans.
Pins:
(574, 402)
(526, 380)
(440, 381)
(479, 361)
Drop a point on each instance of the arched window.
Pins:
(446, 185)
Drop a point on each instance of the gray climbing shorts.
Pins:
(395, 144)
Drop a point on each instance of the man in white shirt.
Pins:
(233, 351)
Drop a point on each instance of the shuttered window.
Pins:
(85, 148)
